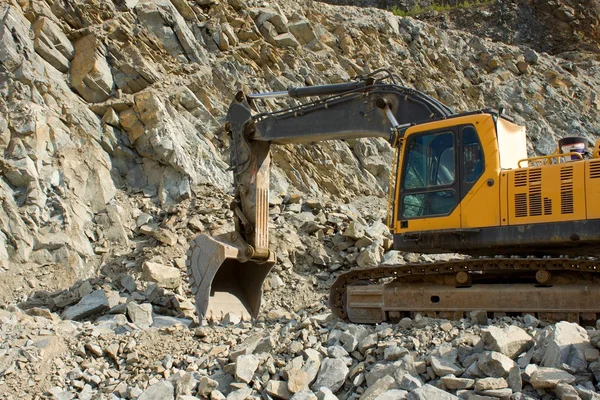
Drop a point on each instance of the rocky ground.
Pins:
(114, 158)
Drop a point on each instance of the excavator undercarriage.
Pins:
(460, 183)
(549, 288)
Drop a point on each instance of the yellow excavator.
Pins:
(460, 183)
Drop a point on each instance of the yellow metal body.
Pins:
(511, 190)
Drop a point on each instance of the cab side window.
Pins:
(473, 162)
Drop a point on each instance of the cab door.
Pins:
(430, 186)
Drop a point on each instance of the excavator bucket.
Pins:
(223, 279)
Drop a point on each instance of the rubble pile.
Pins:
(306, 355)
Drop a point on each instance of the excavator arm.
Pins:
(227, 272)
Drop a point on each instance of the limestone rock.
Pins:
(162, 390)
(443, 367)
(490, 384)
(332, 374)
(245, 366)
(304, 395)
(90, 73)
(140, 314)
(384, 384)
(428, 392)
(302, 30)
(370, 256)
(164, 276)
(409, 382)
(510, 341)
(92, 304)
(548, 378)
(52, 44)
(564, 343)
(278, 389)
(394, 394)
(495, 364)
(453, 383)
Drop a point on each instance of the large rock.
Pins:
(245, 366)
(371, 256)
(563, 343)
(443, 367)
(15, 45)
(164, 276)
(332, 374)
(490, 384)
(495, 364)
(429, 392)
(52, 44)
(278, 389)
(548, 378)
(394, 394)
(164, 21)
(382, 385)
(162, 390)
(140, 314)
(453, 383)
(92, 304)
(510, 341)
(303, 31)
(91, 76)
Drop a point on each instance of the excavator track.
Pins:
(557, 288)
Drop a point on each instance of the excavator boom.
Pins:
(226, 272)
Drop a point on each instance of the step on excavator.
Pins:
(460, 183)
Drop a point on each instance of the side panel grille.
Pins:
(566, 190)
(595, 169)
(547, 206)
(520, 205)
(520, 178)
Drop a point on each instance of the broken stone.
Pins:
(164, 276)
(443, 367)
(565, 343)
(495, 364)
(548, 378)
(490, 384)
(162, 390)
(453, 383)
(429, 392)
(140, 314)
(332, 374)
(245, 367)
(90, 73)
(92, 304)
(510, 341)
(382, 385)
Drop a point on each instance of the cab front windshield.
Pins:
(430, 161)
(430, 164)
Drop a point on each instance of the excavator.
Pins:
(461, 182)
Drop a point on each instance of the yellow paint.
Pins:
(559, 190)
(592, 187)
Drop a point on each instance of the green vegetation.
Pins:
(439, 7)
